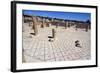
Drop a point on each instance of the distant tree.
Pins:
(88, 21)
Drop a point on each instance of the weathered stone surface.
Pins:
(53, 33)
(66, 24)
(39, 49)
(35, 28)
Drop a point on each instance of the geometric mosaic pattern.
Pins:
(39, 49)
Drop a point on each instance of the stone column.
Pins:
(49, 24)
(66, 23)
(86, 28)
(76, 26)
(52, 20)
(29, 24)
(35, 26)
(43, 22)
(57, 24)
(53, 33)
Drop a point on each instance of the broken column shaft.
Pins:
(53, 33)
(35, 26)
(66, 23)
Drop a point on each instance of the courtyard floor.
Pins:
(39, 49)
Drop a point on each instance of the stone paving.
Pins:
(39, 49)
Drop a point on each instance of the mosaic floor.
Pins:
(39, 49)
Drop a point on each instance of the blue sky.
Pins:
(62, 15)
